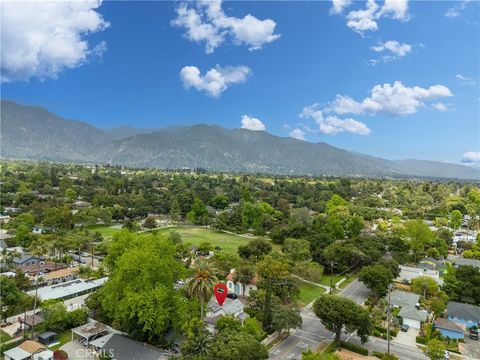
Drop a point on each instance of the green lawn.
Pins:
(348, 280)
(63, 337)
(195, 235)
(4, 337)
(308, 293)
(106, 230)
(325, 280)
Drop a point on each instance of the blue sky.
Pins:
(400, 80)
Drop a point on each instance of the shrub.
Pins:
(355, 348)
(421, 340)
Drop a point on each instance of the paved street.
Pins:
(404, 352)
(312, 332)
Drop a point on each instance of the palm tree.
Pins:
(202, 283)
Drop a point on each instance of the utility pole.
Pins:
(388, 318)
(34, 306)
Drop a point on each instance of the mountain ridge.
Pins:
(32, 132)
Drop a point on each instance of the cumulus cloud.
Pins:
(365, 19)
(252, 123)
(41, 39)
(331, 124)
(471, 157)
(297, 133)
(339, 5)
(216, 80)
(393, 47)
(394, 100)
(205, 21)
(465, 80)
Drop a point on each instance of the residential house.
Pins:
(408, 273)
(449, 329)
(37, 230)
(29, 350)
(464, 315)
(120, 347)
(68, 290)
(28, 259)
(60, 276)
(240, 287)
(460, 261)
(41, 268)
(413, 317)
(4, 235)
(232, 307)
(404, 299)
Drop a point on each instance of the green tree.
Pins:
(297, 249)
(11, 296)
(420, 237)
(139, 296)
(425, 286)
(237, 345)
(286, 318)
(435, 350)
(337, 312)
(150, 222)
(23, 236)
(377, 278)
(256, 249)
(198, 213)
(175, 210)
(201, 285)
(456, 219)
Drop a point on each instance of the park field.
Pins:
(195, 235)
(107, 231)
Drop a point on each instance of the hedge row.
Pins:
(355, 348)
(421, 340)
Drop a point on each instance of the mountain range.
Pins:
(29, 132)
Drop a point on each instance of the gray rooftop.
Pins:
(404, 299)
(124, 348)
(463, 311)
(69, 288)
(412, 313)
(471, 262)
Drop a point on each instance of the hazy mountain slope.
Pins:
(35, 133)
(126, 131)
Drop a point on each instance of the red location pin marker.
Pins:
(220, 290)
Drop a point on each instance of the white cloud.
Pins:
(440, 106)
(41, 39)
(364, 20)
(252, 123)
(216, 80)
(332, 125)
(297, 133)
(465, 80)
(205, 21)
(456, 10)
(395, 100)
(396, 9)
(471, 157)
(394, 47)
(339, 5)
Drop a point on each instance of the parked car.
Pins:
(446, 355)
(473, 333)
(232, 296)
(404, 327)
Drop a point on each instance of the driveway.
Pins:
(471, 349)
(407, 338)
(77, 351)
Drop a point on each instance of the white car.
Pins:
(446, 355)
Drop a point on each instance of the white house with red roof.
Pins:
(240, 288)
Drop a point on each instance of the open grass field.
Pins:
(106, 230)
(308, 293)
(4, 337)
(195, 235)
(325, 280)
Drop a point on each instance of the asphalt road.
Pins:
(312, 332)
(404, 352)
